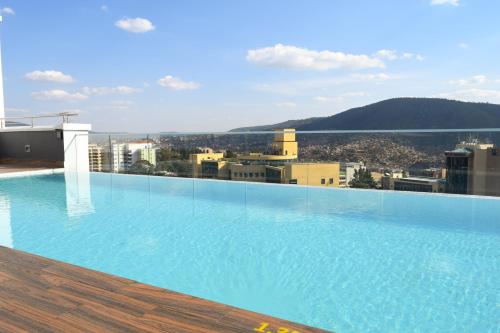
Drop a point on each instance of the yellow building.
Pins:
(196, 159)
(284, 149)
(216, 169)
(276, 166)
(247, 172)
(96, 156)
(313, 174)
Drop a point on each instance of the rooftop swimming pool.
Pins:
(338, 259)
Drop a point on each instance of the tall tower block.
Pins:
(2, 106)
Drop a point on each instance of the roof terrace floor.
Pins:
(9, 166)
(43, 295)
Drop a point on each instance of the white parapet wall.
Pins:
(76, 146)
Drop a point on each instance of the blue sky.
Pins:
(214, 65)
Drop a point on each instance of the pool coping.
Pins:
(28, 173)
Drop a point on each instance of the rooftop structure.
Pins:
(417, 184)
(473, 168)
(284, 148)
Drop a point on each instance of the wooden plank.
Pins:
(42, 295)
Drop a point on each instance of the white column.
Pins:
(76, 146)
(2, 106)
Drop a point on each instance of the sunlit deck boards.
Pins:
(42, 295)
(11, 166)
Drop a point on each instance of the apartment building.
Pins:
(96, 157)
(118, 157)
(473, 168)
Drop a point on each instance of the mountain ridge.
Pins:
(399, 113)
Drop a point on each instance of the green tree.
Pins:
(167, 154)
(180, 168)
(141, 167)
(230, 154)
(362, 179)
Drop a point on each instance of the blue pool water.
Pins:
(343, 260)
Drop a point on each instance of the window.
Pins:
(262, 174)
(251, 174)
(246, 175)
(330, 181)
(323, 181)
(494, 152)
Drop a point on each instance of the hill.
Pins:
(400, 113)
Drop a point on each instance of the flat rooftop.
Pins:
(38, 294)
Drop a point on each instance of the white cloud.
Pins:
(121, 105)
(286, 105)
(58, 95)
(373, 77)
(7, 10)
(475, 80)
(386, 54)
(288, 56)
(322, 86)
(49, 76)
(391, 55)
(174, 83)
(135, 25)
(122, 90)
(320, 99)
(463, 45)
(473, 95)
(445, 2)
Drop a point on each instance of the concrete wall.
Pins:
(44, 145)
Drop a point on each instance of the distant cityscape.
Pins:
(471, 167)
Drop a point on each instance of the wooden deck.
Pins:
(42, 295)
(9, 165)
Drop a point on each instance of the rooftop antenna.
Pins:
(2, 106)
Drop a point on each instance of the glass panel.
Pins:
(451, 161)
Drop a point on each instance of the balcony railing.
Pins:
(35, 120)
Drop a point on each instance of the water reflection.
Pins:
(78, 197)
(5, 222)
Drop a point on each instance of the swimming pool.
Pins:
(343, 260)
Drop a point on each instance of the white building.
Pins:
(96, 157)
(118, 157)
(350, 168)
(124, 155)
